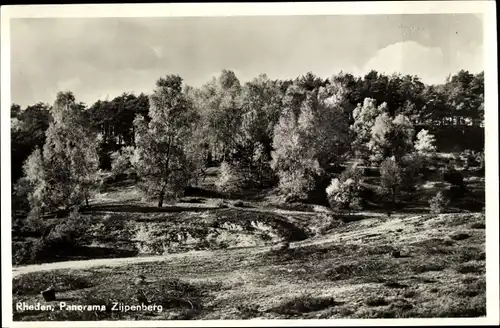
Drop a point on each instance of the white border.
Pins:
(487, 8)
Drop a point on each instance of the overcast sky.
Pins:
(104, 57)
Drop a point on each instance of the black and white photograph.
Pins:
(294, 163)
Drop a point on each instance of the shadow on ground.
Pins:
(90, 252)
(120, 208)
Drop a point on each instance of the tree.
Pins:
(411, 166)
(65, 173)
(364, 116)
(161, 160)
(295, 165)
(425, 143)
(390, 181)
(198, 151)
(307, 144)
(391, 137)
(352, 90)
(113, 121)
(461, 98)
(221, 108)
(261, 104)
(27, 132)
(435, 109)
(15, 111)
(34, 183)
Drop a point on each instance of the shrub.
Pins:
(228, 181)
(425, 142)
(326, 223)
(71, 231)
(296, 185)
(438, 203)
(52, 238)
(376, 301)
(146, 240)
(344, 193)
(121, 161)
(21, 252)
(303, 304)
(458, 188)
(470, 158)
(32, 226)
(33, 251)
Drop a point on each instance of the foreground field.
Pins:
(412, 265)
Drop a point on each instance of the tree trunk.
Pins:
(160, 199)
(393, 200)
(161, 196)
(162, 192)
(87, 200)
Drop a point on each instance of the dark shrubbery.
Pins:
(470, 158)
(50, 238)
(458, 188)
(454, 177)
(304, 304)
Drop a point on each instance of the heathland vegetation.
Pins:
(316, 166)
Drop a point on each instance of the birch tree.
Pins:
(161, 160)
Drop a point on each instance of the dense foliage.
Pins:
(290, 134)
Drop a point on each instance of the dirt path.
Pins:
(82, 264)
(114, 262)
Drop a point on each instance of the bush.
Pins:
(425, 143)
(470, 158)
(344, 193)
(70, 232)
(438, 203)
(228, 181)
(376, 301)
(32, 251)
(304, 304)
(454, 177)
(32, 226)
(296, 185)
(51, 239)
(327, 223)
(458, 188)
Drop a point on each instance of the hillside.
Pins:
(346, 270)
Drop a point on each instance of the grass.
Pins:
(336, 266)
(303, 304)
(61, 281)
(336, 278)
(183, 299)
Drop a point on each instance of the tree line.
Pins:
(284, 133)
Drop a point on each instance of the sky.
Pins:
(101, 58)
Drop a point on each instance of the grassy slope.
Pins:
(348, 272)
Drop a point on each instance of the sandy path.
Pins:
(83, 264)
(114, 262)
